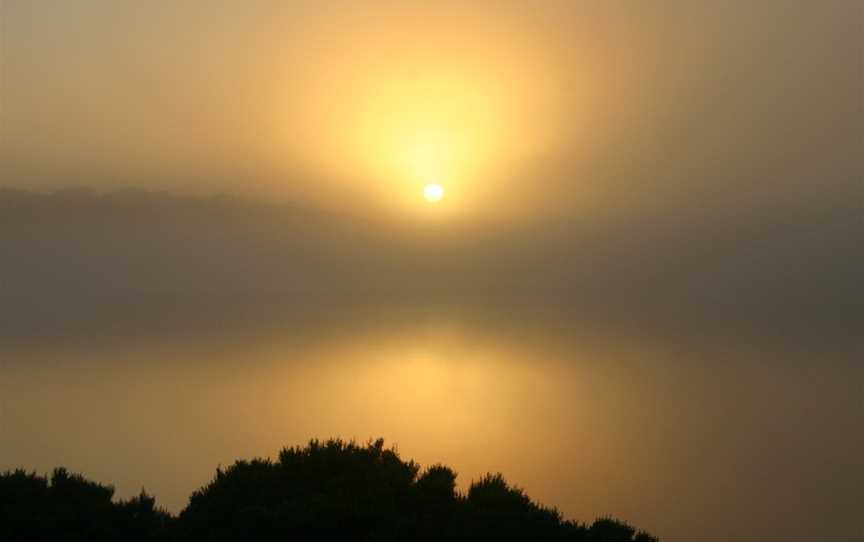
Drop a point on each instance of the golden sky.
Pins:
(516, 108)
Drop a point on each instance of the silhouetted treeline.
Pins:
(324, 491)
(73, 508)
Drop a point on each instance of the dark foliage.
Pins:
(325, 491)
(71, 508)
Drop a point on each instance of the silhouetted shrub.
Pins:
(333, 490)
(611, 530)
(324, 490)
(72, 508)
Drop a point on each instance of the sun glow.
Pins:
(409, 107)
(433, 193)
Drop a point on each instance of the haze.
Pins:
(640, 296)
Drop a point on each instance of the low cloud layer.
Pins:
(790, 276)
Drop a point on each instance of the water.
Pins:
(691, 440)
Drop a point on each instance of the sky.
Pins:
(522, 111)
(685, 147)
(652, 214)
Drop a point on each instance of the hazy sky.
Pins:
(517, 108)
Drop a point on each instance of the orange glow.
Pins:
(433, 193)
(408, 108)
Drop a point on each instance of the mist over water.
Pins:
(146, 339)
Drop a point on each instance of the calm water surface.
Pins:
(670, 434)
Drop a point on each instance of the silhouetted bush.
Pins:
(334, 490)
(72, 508)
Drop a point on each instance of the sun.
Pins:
(433, 193)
